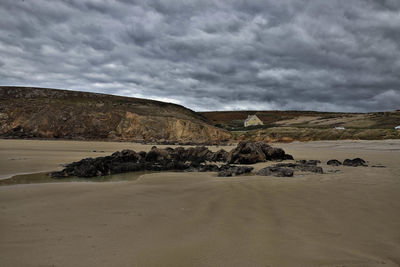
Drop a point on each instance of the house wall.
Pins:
(253, 121)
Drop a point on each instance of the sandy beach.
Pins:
(346, 218)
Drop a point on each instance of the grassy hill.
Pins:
(51, 113)
(308, 125)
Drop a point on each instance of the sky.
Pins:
(335, 55)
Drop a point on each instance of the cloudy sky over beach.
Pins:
(334, 55)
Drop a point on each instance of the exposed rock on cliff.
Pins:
(178, 159)
(49, 113)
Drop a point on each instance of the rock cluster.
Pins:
(253, 152)
(198, 159)
(178, 159)
(155, 160)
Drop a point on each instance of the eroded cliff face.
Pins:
(49, 113)
(168, 128)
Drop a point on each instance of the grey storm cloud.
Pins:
(210, 55)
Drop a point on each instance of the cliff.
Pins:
(50, 113)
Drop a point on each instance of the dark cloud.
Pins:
(210, 55)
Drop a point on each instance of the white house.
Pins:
(252, 120)
(339, 128)
(397, 127)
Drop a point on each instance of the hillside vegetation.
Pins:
(308, 125)
(51, 113)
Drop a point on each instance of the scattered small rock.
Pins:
(232, 170)
(275, 171)
(334, 162)
(355, 162)
(303, 165)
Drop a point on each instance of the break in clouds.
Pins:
(334, 55)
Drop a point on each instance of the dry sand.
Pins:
(348, 218)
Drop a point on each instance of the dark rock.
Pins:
(199, 153)
(253, 152)
(232, 170)
(156, 159)
(127, 155)
(334, 162)
(302, 165)
(126, 167)
(208, 168)
(157, 155)
(289, 157)
(142, 154)
(275, 171)
(354, 162)
(221, 156)
(310, 168)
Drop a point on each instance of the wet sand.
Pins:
(347, 218)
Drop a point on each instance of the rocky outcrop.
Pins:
(50, 113)
(253, 152)
(178, 159)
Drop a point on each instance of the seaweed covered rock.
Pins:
(253, 152)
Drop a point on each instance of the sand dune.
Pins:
(348, 218)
